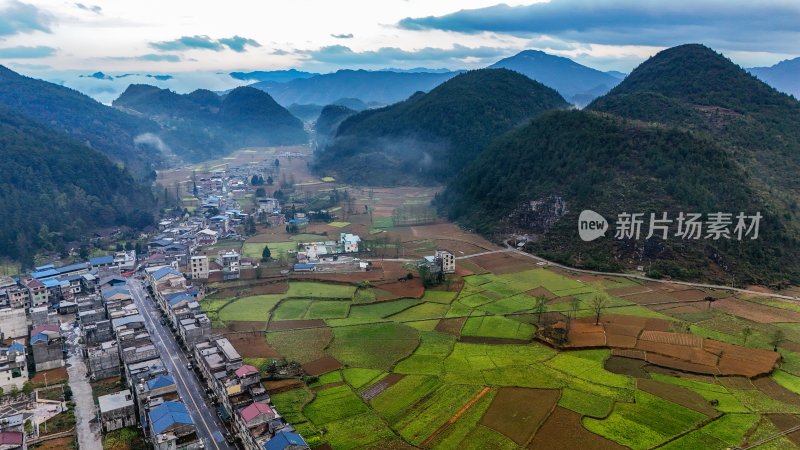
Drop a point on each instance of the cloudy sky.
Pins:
(59, 38)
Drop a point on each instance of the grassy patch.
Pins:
(255, 249)
(393, 403)
(250, 308)
(497, 327)
(421, 311)
(334, 403)
(376, 346)
(586, 404)
(428, 415)
(588, 365)
(359, 431)
(300, 345)
(358, 377)
(439, 296)
(481, 438)
(457, 432)
(302, 289)
(646, 423)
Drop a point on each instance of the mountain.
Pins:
(617, 74)
(56, 189)
(430, 137)
(383, 87)
(686, 131)
(86, 121)
(278, 76)
(694, 88)
(306, 113)
(539, 178)
(328, 122)
(202, 125)
(575, 82)
(355, 104)
(784, 76)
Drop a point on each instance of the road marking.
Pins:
(149, 319)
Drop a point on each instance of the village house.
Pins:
(13, 366)
(13, 440)
(198, 266)
(13, 323)
(448, 260)
(171, 428)
(48, 347)
(286, 440)
(117, 410)
(103, 361)
(37, 292)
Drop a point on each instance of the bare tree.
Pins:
(539, 307)
(574, 306)
(598, 304)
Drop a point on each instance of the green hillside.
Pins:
(687, 131)
(202, 125)
(54, 190)
(612, 165)
(430, 137)
(100, 127)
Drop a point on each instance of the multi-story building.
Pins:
(13, 366)
(198, 266)
(448, 260)
(103, 361)
(117, 410)
(171, 428)
(48, 347)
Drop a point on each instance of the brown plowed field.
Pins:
(502, 263)
(689, 340)
(774, 390)
(755, 311)
(278, 386)
(679, 395)
(323, 365)
(689, 294)
(240, 326)
(252, 345)
(786, 421)
(451, 326)
(626, 366)
(382, 385)
(283, 325)
(563, 430)
(519, 412)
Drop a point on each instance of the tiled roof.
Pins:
(256, 409)
(245, 370)
(166, 415)
(284, 439)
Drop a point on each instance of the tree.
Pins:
(266, 254)
(746, 332)
(598, 304)
(574, 306)
(251, 225)
(27, 388)
(270, 180)
(776, 338)
(260, 192)
(539, 307)
(83, 252)
(277, 163)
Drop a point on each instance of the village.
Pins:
(273, 310)
(116, 320)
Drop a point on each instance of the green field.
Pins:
(438, 366)
(250, 308)
(255, 249)
(301, 289)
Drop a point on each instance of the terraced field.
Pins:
(465, 368)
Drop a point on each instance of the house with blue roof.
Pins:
(102, 261)
(286, 440)
(160, 386)
(171, 428)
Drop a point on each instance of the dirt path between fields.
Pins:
(455, 417)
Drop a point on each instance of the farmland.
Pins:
(466, 364)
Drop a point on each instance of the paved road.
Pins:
(88, 431)
(191, 391)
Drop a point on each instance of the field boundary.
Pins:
(454, 418)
